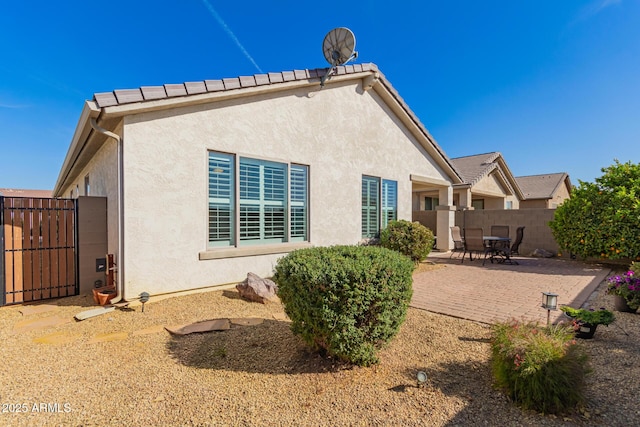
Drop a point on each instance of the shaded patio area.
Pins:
(496, 292)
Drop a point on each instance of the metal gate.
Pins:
(38, 240)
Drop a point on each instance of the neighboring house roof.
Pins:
(543, 186)
(15, 192)
(106, 109)
(474, 168)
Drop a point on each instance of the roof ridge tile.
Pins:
(148, 93)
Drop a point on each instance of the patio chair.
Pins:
(516, 245)
(501, 247)
(474, 242)
(458, 241)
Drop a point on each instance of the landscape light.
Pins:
(549, 302)
(422, 378)
(144, 297)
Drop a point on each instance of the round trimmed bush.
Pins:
(409, 238)
(345, 301)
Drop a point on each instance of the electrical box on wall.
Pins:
(101, 265)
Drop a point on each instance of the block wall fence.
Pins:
(537, 233)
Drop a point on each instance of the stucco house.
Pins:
(544, 191)
(206, 181)
(487, 183)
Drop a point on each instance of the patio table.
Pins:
(500, 253)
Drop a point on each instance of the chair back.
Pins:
(458, 243)
(473, 239)
(500, 230)
(516, 244)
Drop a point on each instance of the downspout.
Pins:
(119, 264)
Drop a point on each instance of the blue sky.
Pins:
(553, 85)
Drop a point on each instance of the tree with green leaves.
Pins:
(602, 219)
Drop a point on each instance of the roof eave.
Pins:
(512, 179)
(80, 136)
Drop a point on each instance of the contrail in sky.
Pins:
(230, 33)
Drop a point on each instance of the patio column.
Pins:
(465, 198)
(445, 213)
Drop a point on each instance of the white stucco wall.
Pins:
(340, 132)
(102, 170)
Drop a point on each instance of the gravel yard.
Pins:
(123, 368)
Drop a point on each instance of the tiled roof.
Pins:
(473, 168)
(15, 192)
(169, 91)
(149, 93)
(541, 186)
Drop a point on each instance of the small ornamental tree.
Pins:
(602, 219)
(345, 301)
(409, 238)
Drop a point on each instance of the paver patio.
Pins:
(496, 292)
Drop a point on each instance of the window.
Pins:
(86, 185)
(430, 203)
(299, 203)
(389, 202)
(370, 206)
(379, 204)
(263, 201)
(266, 192)
(509, 204)
(221, 199)
(477, 204)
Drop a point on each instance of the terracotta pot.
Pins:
(620, 304)
(102, 296)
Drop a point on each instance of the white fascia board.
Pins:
(83, 129)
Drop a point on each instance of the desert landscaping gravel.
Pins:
(124, 369)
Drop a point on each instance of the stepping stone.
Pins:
(205, 326)
(93, 312)
(246, 321)
(35, 309)
(35, 324)
(56, 338)
(114, 336)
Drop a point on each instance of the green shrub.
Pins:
(592, 317)
(409, 238)
(602, 219)
(543, 369)
(345, 301)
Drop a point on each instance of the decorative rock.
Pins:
(204, 326)
(541, 253)
(254, 288)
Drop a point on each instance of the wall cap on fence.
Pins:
(445, 208)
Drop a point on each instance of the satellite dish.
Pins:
(338, 48)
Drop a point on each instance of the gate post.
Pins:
(2, 255)
(76, 247)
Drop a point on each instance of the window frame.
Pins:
(386, 190)
(265, 185)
